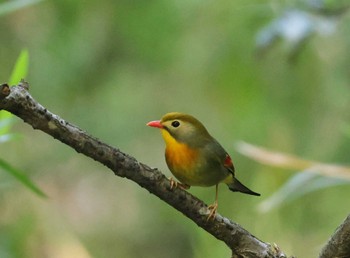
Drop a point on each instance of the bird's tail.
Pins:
(237, 186)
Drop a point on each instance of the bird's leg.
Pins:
(174, 184)
(214, 207)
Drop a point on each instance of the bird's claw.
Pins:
(174, 184)
(213, 211)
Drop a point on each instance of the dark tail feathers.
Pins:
(237, 186)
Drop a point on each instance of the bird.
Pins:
(195, 158)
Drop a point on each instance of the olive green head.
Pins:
(185, 128)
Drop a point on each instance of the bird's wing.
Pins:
(222, 157)
(229, 164)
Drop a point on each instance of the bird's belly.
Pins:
(189, 169)
(195, 177)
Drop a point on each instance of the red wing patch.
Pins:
(228, 163)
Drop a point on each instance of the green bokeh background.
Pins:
(111, 66)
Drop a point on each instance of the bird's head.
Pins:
(183, 128)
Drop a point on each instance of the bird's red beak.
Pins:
(155, 124)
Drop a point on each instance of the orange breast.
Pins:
(180, 158)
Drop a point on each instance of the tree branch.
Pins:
(339, 244)
(19, 102)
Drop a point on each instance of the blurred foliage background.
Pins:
(271, 73)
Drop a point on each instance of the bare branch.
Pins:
(18, 101)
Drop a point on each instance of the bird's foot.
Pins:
(213, 210)
(174, 184)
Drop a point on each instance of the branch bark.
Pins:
(19, 102)
(338, 245)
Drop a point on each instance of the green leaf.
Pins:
(20, 69)
(12, 6)
(21, 177)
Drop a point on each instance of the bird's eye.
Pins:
(175, 124)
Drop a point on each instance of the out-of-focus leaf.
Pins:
(314, 175)
(299, 185)
(5, 124)
(4, 115)
(20, 69)
(282, 160)
(19, 72)
(294, 27)
(12, 6)
(21, 177)
(8, 137)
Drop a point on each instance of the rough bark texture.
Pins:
(18, 101)
(338, 245)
